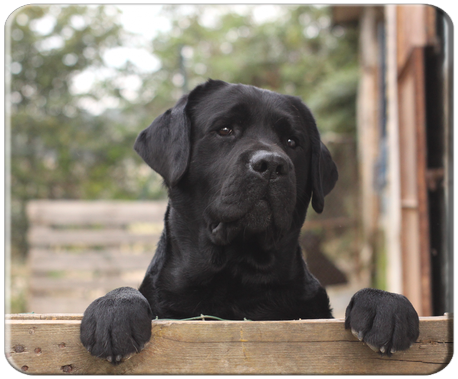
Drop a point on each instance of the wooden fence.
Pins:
(49, 344)
(80, 250)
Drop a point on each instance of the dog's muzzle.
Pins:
(257, 196)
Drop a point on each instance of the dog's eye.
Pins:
(291, 142)
(225, 131)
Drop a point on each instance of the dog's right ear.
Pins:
(165, 144)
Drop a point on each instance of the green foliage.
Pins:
(299, 53)
(58, 149)
(62, 150)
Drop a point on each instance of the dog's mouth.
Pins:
(257, 220)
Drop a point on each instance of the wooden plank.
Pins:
(44, 316)
(368, 140)
(392, 223)
(44, 236)
(345, 14)
(39, 345)
(415, 28)
(60, 304)
(418, 57)
(78, 212)
(77, 286)
(42, 261)
(414, 214)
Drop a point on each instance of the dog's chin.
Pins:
(258, 220)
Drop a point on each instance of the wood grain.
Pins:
(49, 344)
(78, 212)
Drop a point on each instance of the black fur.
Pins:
(241, 166)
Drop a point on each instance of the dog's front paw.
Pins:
(385, 321)
(116, 325)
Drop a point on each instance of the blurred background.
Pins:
(85, 211)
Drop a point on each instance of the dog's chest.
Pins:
(229, 300)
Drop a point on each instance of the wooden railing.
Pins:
(50, 344)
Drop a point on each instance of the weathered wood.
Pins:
(43, 262)
(44, 236)
(368, 140)
(415, 242)
(69, 282)
(79, 250)
(44, 316)
(62, 304)
(78, 212)
(77, 286)
(415, 28)
(49, 344)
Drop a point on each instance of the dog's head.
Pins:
(250, 159)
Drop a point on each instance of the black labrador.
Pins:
(241, 165)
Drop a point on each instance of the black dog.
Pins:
(241, 165)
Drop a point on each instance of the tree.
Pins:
(60, 150)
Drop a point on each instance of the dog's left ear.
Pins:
(165, 144)
(323, 170)
(323, 173)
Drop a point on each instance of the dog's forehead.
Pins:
(242, 101)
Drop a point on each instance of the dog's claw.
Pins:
(358, 335)
(373, 348)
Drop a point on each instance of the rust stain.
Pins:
(157, 333)
(241, 336)
(242, 340)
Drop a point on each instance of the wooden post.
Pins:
(50, 344)
(415, 25)
(368, 138)
(393, 217)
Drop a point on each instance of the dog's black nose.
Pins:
(269, 165)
